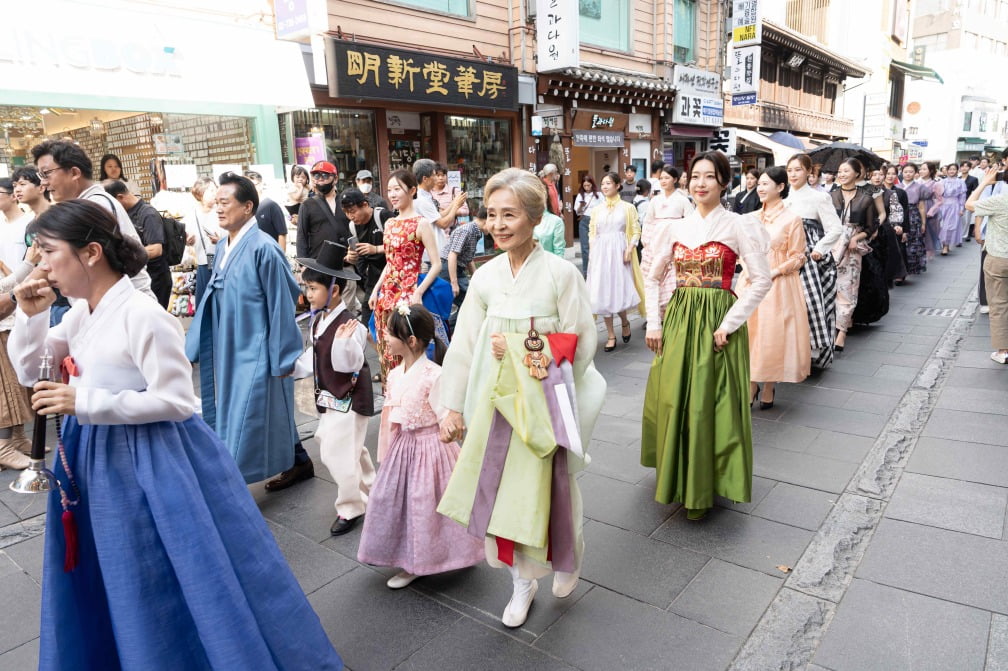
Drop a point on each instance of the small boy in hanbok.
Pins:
(344, 397)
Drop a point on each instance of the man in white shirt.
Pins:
(979, 170)
(426, 207)
(66, 172)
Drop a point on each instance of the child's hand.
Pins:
(452, 427)
(498, 345)
(346, 330)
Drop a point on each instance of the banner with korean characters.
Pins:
(557, 35)
(698, 97)
(376, 73)
(745, 75)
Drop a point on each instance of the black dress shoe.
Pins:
(342, 525)
(608, 347)
(626, 333)
(292, 476)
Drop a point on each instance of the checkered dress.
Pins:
(819, 282)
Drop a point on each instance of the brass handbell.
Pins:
(37, 479)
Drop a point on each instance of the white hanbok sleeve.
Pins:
(832, 228)
(754, 245)
(154, 341)
(661, 246)
(30, 338)
(16, 277)
(347, 355)
(458, 361)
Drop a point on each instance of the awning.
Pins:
(781, 152)
(973, 140)
(916, 71)
(142, 54)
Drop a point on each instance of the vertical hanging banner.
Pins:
(745, 51)
(557, 35)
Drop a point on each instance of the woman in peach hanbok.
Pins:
(779, 349)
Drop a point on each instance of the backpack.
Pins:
(175, 240)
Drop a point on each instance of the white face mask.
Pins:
(365, 188)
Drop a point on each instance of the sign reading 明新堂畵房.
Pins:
(377, 73)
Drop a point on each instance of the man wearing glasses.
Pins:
(66, 171)
(321, 218)
(368, 225)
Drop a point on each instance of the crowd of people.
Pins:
(745, 282)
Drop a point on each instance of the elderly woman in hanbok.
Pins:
(614, 280)
(696, 429)
(519, 372)
(779, 348)
(818, 276)
(953, 198)
(161, 559)
(665, 208)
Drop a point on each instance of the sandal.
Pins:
(626, 332)
(608, 347)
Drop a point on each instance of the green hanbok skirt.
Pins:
(697, 428)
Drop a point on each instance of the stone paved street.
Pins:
(876, 537)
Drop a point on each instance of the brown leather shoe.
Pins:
(292, 476)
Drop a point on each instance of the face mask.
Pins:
(364, 188)
(324, 187)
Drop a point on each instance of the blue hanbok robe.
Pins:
(245, 337)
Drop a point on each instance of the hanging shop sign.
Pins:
(376, 73)
(597, 138)
(724, 140)
(745, 75)
(557, 38)
(747, 27)
(698, 97)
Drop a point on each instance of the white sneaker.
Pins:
(518, 607)
(400, 580)
(984, 309)
(564, 584)
(999, 357)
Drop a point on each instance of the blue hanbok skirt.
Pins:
(177, 568)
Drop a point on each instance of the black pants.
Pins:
(161, 288)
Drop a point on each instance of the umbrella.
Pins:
(831, 155)
(787, 139)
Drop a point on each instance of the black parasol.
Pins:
(831, 155)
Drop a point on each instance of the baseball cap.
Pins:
(352, 198)
(324, 166)
(364, 174)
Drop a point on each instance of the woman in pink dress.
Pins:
(403, 527)
(405, 239)
(779, 349)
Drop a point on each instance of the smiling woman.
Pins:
(696, 430)
(526, 317)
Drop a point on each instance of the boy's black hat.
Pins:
(330, 261)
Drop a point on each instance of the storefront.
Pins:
(593, 121)
(384, 108)
(698, 111)
(157, 95)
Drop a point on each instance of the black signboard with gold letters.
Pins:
(377, 73)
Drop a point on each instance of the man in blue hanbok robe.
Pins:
(246, 340)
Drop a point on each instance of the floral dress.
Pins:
(403, 254)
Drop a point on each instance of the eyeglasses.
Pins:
(6, 193)
(322, 175)
(44, 174)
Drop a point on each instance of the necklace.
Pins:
(849, 190)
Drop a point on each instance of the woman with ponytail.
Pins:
(160, 541)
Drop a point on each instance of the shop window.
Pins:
(684, 30)
(605, 23)
(478, 148)
(896, 80)
(457, 7)
(344, 137)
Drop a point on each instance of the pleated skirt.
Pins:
(697, 428)
(15, 408)
(177, 568)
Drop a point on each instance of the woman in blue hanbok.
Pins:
(162, 560)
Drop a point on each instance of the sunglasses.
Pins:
(322, 175)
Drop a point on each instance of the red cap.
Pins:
(324, 166)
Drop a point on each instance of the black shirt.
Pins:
(318, 223)
(746, 202)
(271, 219)
(150, 228)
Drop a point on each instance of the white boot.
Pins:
(521, 600)
(10, 457)
(565, 583)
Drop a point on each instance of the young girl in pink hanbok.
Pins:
(402, 527)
